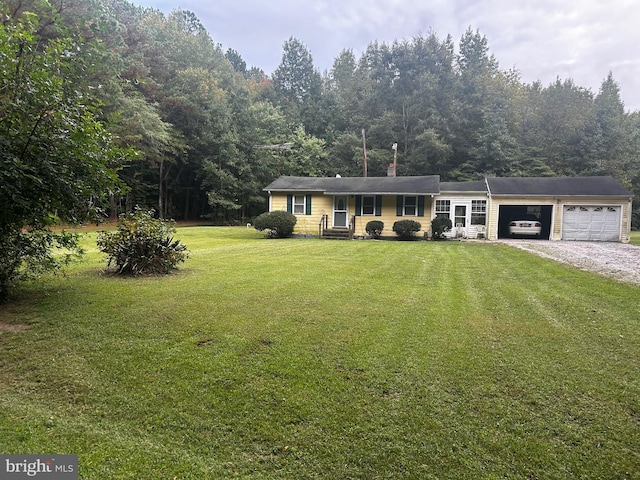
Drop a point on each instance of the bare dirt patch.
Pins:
(16, 315)
(616, 260)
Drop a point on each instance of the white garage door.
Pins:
(599, 223)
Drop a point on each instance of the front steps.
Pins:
(337, 234)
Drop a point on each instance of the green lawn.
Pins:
(302, 358)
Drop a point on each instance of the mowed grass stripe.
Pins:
(318, 359)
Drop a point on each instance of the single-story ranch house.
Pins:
(569, 208)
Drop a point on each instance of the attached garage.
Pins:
(569, 208)
(509, 213)
(591, 223)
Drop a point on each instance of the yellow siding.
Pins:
(626, 222)
(306, 224)
(492, 219)
(323, 205)
(389, 216)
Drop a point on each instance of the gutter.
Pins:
(381, 193)
(563, 195)
(486, 182)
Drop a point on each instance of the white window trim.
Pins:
(478, 212)
(404, 206)
(303, 204)
(372, 214)
(443, 212)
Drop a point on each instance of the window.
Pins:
(368, 206)
(443, 208)
(478, 212)
(411, 206)
(298, 205)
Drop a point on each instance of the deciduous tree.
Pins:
(56, 159)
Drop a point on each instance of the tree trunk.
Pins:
(160, 190)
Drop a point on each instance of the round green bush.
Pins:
(440, 226)
(279, 224)
(374, 228)
(406, 229)
(142, 245)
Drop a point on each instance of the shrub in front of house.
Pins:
(142, 245)
(279, 224)
(406, 229)
(374, 228)
(440, 226)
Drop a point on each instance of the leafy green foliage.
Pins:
(279, 224)
(440, 226)
(142, 245)
(57, 161)
(298, 85)
(54, 154)
(406, 229)
(374, 228)
(30, 253)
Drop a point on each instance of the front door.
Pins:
(460, 220)
(340, 211)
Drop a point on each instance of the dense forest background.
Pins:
(211, 132)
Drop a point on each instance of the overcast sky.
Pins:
(543, 39)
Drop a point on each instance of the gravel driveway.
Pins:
(617, 260)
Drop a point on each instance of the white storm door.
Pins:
(340, 211)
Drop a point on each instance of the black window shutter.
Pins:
(308, 204)
(378, 205)
(358, 205)
(421, 206)
(290, 203)
(399, 205)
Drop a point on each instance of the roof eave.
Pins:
(572, 195)
(468, 192)
(379, 193)
(292, 190)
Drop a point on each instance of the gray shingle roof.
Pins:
(557, 186)
(430, 185)
(419, 185)
(469, 187)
